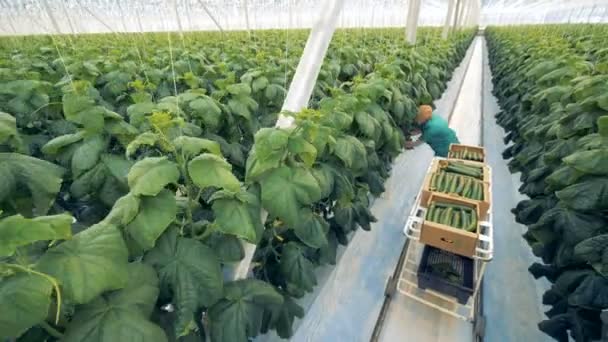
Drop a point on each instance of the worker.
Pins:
(435, 132)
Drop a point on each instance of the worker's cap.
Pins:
(424, 114)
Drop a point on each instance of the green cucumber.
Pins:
(465, 219)
(473, 224)
(446, 216)
(465, 172)
(456, 220)
(453, 185)
(460, 187)
(429, 212)
(440, 181)
(436, 214)
(433, 182)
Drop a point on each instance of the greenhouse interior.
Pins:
(303, 170)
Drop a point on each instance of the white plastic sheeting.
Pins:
(92, 16)
(497, 12)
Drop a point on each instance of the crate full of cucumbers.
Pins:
(451, 223)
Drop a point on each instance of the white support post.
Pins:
(299, 93)
(246, 12)
(179, 21)
(461, 15)
(217, 23)
(312, 58)
(454, 23)
(448, 19)
(67, 17)
(413, 13)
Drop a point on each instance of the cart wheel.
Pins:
(480, 327)
(391, 287)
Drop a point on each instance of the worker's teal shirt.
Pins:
(438, 135)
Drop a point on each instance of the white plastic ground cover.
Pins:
(485, 247)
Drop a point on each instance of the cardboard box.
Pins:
(448, 238)
(460, 147)
(484, 205)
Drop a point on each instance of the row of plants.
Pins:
(552, 86)
(133, 166)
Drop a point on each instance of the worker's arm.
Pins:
(411, 144)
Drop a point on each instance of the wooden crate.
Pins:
(484, 205)
(448, 238)
(460, 147)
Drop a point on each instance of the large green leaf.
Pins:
(296, 268)
(144, 139)
(591, 194)
(281, 317)
(17, 231)
(351, 151)
(286, 190)
(210, 170)
(155, 215)
(259, 84)
(208, 111)
(302, 148)
(325, 177)
(190, 272)
(89, 182)
(94, 261)
(8, 127)
(87, 154)
(149, 176)
(271, 145)
(595, 252)
(228, 248)
(120, 315)
(593, 162)
(311, 229)
(191, 146)
(41, 178)
(118, 167)
(238, 316)
(124, 210)
(25, 299)
(238, 215)
(55, 145)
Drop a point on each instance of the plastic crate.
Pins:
(461, 287)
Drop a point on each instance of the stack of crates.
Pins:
(456, 195)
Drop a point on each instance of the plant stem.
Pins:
(48, 278)
(52, 331)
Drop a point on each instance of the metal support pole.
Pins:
(300, 91)
(413, 13)
(448, 19)
(200, 2)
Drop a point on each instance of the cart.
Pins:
(407, 282)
